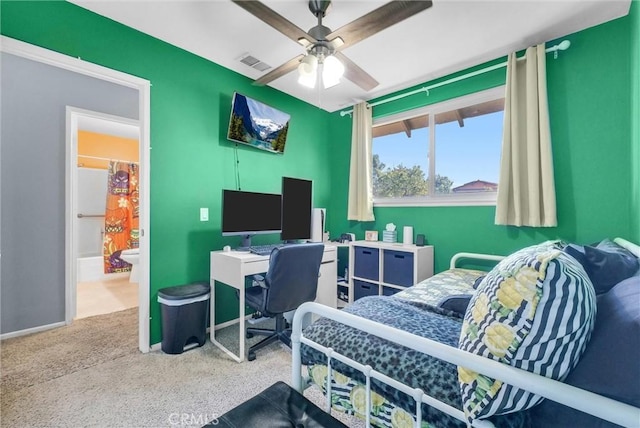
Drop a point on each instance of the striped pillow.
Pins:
(535, 311)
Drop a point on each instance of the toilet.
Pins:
(132, 256)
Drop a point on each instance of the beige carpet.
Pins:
(41, 357)
(92, 375)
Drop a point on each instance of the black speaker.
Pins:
(420, 240)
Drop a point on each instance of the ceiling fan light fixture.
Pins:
(329, 81)
(308, 71)
(308, 66)
(332, 71)
(308, 80)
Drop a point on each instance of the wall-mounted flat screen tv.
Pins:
(257, 124)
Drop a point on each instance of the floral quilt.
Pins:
(432, 291)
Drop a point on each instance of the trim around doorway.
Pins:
(81, 119)
(35, 53)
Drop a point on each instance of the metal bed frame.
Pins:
(585, 401)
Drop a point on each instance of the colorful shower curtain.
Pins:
(121, 217)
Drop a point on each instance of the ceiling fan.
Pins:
(323, 45)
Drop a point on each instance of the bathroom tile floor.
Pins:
(103, 297)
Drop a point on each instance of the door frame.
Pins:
(143, 86)
(111, 125)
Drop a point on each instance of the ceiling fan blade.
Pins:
(275, 20)
(377, 20)
(278, 72)
(356, 74)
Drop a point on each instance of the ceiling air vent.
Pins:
(254, 62)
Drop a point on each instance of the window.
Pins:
(443, 154)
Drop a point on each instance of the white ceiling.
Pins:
(448, 37)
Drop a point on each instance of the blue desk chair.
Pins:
(292, 279)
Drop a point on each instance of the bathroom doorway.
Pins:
(107, 158)
(78, 119)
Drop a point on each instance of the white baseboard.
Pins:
(31, 330)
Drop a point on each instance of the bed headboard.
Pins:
(477, 256)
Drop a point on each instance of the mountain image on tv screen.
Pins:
(258, 125)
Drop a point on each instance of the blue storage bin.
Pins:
(366, 262)
(389, 291)
(398, 268)
(362, 289)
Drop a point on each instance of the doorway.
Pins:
(96, 143)
(106, 284)
(38, 58)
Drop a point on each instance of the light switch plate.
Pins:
(204, 214)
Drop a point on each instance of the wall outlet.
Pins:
(204, 214)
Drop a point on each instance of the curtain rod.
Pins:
(107, 159)
(562, 46)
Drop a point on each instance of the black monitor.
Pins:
(250, 213)
(296, 209)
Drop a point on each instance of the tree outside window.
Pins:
(456, 144)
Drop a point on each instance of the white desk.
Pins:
(231, 268)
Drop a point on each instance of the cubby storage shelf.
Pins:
(382, 268)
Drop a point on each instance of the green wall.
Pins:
(589, 106)
(635, 120)
(191, 158)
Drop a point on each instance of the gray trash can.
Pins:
(184, 311)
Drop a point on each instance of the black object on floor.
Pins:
(277, 406)
(184, 311)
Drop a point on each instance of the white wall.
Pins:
(33, 101)
(92, 200)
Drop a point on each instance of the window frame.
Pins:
(433, 199)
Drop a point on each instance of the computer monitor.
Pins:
(296, 209)
(249, 213)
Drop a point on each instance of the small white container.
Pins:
(407, 235)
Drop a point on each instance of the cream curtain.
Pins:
(526, 189)
(360, 187)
